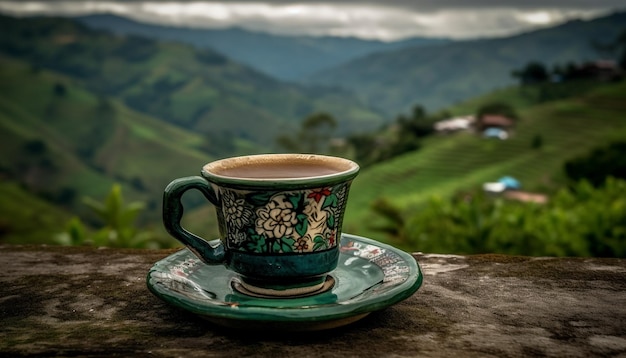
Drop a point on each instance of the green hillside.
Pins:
(26, 218)
(447, 164)
(239, 109)
(63, 142)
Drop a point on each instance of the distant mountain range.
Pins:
(239, 109)
(392, 77)
(438, 76)
(283, 57)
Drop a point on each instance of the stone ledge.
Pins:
(94, 302)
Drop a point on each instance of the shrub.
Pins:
(118, 225)
(601, 163)
(579, 221)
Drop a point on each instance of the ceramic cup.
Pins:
(279, 218)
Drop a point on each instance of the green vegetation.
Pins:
(26, 218)
(402, 136)
(577, 221)
(312, 136)
(602, 162)
(117, 220)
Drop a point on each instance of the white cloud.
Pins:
(538, 17)
(381, 20)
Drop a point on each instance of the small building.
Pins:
(503, 184)
(454, 124)
(510, 188)
(494, 121)
(494, 126)
(498, 133)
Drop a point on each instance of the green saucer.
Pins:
(370, 276)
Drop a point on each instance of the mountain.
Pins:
(283, 57)
(62, 142)
(239, 109)
(437, 76)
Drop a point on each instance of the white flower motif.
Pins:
(238, 237)
(236, 212)
(316, 218)
(277, 219)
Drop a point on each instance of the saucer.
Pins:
(370, 276)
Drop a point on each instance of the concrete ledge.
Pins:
(94, 302)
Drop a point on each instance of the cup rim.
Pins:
(348, 169)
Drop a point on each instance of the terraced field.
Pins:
(450, 163)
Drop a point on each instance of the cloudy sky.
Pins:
(383, 19)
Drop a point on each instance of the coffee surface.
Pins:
(278, 170)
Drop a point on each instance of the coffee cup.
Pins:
(279, 216)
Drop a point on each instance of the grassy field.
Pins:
(447, 164)
(120, 143)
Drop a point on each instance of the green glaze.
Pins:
(283, 267)
(369, 276)
(173, 214)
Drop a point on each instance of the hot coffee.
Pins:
(277, 167)
(277, 171)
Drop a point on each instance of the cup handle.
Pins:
(209, 252)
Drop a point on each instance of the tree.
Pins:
(537, 142)
(366, 147)
(419, 124)
(599, 164)
(315, 132)
(398, 138)
(59, 89)
(532, 73)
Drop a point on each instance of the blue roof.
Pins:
(510, 182)
(493, 132)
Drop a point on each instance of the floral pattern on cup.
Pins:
(284, 222)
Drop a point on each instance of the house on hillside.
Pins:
(497, 133)
(503, 184)
(454, 124)
(510, 188)
(494, 126)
